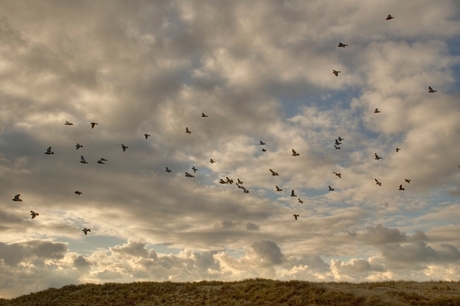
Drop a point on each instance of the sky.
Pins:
(261, 71)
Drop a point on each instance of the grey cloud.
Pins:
(81, 263)
(268, 252)
(136, 249)
(14, 253)
(380, 235)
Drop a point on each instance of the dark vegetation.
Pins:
(247, 292)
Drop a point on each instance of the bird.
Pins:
(211, 161)
(93, 124)
(273, 172)
(49, 152)
(300, 201)
(124, 147)
(378, 182)
(431, 90)
(401, 187)
(78, 192)
(407, 180)
(203, 115)
(376, 111)
(278, 189)
(101, 161)
(168, 170)
(397, 150)
(264, 150)
(338, 174)
(187, 131)
(194, 169)
(293, 193)
(389, 17)
(223, 182)
(86, 230)
(341, 45)
(188, 174)
(330, 188)
(16, 198)
(294, 153)
(336, 147)
(245, 190)
(147, 135)
(340, 138)
(336, 72)
(377, 157)
(337, 142)
(68, 123)
(239, 186)
(82, 160)
(33, 214)
(78, 146)
(262, 143)
(296, 216)
(240, 182)
(230, 181)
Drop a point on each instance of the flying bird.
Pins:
(187, 131)
(194, 169)
(401, 187)
(78, 146)
(188, 174)
(101, 161)
(68, 123)
(407, 181)
(377, 157)
(168, 170)
(389, 17)
(211, 161)
(86, 230)
(264, 150)
(93, 124)
(240, 182)
(300, 201)
(293, 194)
(262, 143)
(337, 142)
(124, 147)
(341, 45)
(273, 172)
(376, 111)
(245, 190)
(147, 135)
(296, 216)
(336, 72)
(431, 90)
(338, 174)
(78, 192)
(203, 115)
(49, 152)
(82, 160)
(294, 153)
(223, 182)
(330, 188)
(378, 182)
(278, 189)
(340, 138)
(33, 214)
(230, 181)
(397, 150)
(16, 198)
(336, 147)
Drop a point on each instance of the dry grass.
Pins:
(247, 292)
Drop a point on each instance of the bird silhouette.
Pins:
(340, 138)
(124, 147)
(16, 198)
(264, 150)
(68, 123)
(378, 182)
(397, 150)
(336, 147)
(377, 157)
(431, 90)
(78, 192)
(336, 72)
(223, 182)
(337, 142)
(389, 17)
(278, 189)
(194, 169)
(407, 181)
(78, 146)
(168, 170)
(262, 143)
(93, 124)
(293, 193)
(401, 187)
(273, 172)
(147, 135)
(188, 174)
(300, 201)
(376, 111)
(296, 216)
(86, 230)
(49, 152)
(101, 161)
(294, 153)
(211, 161)
(338, 174)
(187, 131)
(230, 181)
(203, 115)
(341, 45)
(33, 214)
(239, 181)
(82, 160)
(330, 188)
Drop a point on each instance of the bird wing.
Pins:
(82, 159)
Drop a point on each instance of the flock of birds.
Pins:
(228, 180)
